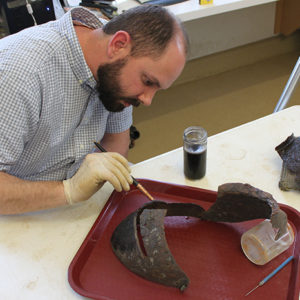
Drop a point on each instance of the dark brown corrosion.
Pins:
(152, 259)
(139, 240)
(237, 202)
(289, 151)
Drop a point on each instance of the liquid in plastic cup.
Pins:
(259, 245)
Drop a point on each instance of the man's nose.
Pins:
(147, 97)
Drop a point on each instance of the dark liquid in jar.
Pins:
(194, 164)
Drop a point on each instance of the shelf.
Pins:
(191, 9)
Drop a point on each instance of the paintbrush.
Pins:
(135, 182)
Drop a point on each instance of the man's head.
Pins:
(147, 50)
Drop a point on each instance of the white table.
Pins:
(37, 248)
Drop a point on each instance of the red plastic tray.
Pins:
(209, 253)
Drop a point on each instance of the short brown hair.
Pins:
(150, 27)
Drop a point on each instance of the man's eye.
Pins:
(148, 83)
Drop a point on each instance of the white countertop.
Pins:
(37, 248)
(242, 154)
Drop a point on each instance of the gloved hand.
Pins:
(95, 170)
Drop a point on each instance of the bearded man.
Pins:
(73, 81)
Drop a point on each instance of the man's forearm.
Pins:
(20, 196)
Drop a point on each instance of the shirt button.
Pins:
(81, 147)
(80, 81)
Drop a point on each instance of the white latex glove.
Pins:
(95, 170)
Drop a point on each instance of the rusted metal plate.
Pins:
(289, 151)
(151, 258)
(139, 240)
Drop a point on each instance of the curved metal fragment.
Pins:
(153, 259)
(139, 240)
(289, 151)
(238, 202)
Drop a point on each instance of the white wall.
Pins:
(224, 31)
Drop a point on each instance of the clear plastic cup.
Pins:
(259, 245)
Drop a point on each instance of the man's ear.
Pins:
(119, 45)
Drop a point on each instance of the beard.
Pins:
(109, 89)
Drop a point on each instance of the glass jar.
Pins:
(194, 152)
(259, 244)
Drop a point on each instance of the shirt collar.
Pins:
(82, 16)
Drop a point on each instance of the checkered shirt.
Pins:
(50, 112)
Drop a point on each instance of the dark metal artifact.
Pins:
(289, 151)
(139, 240)
(237, 202)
